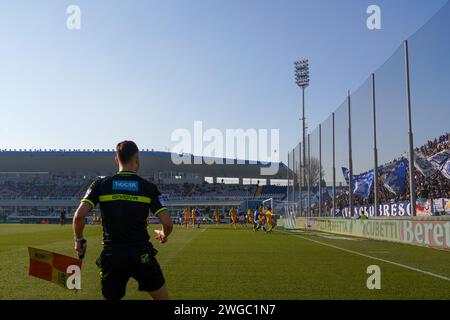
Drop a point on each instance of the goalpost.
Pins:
(268, 203)
(286, 210)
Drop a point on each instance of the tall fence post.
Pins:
(300, 179)
(375, 149)
(294, 174)
(288, 213)
(320, 170)
(303, 161)
(309, 176)
(296, 209)
(350, 159)
(412, 183)
(334, 168)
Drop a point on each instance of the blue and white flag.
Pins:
(361, 183)
(423, 165)
(346, 174)
(394, 175)
(446, 169)
(440, 161)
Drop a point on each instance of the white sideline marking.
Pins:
(375, 258)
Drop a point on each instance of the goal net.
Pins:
(286, 211)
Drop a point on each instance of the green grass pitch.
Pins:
(218, 262)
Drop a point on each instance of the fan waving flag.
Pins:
(394, 177)
(437, 160)
(346, 174)
(361, 183)
(446, 169)
(441, 162)
(53, 267)
(423, 165)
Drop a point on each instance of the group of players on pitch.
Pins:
(187, 218)
(260, 218)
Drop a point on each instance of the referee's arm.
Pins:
(79, 218)
(78, 223)
(167, 226)
(160, 211)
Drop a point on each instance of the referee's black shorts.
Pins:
(119, 263)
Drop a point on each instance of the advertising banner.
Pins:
(431, 233)
(442, 206)
(434, 234)
(394, 209)
(424, 208)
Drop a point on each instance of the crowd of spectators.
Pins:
(61, 186)
(41, 186)
(435, 186)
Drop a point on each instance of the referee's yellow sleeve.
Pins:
(159, 211)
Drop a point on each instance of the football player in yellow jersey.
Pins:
(234, 217)
(217, 216)
(261, 220)
(186, 216)
(193, 216)
(250, 216)
(270, 219)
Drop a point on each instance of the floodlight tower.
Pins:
(302, 79)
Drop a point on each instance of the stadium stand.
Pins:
(43, 194)
(41, 186)
(276, 192)
(24, 186)
(34, 197)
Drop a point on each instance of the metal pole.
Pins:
(294, 174)
(320, 170)
(375, 150)
(334, 169)
(350, 160)
(287, 210)
(288, 181)
(304, 133)
(294, 199)
(300, 178)
(412, 183)
(309, 177)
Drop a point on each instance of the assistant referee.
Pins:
(125, 200)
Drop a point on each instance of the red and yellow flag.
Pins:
(50, 266)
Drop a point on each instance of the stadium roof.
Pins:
(101, 162)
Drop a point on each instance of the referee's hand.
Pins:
(160, 236)
(80, 248)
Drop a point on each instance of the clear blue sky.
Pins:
(140, 69)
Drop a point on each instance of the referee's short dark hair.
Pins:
(126, 150)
